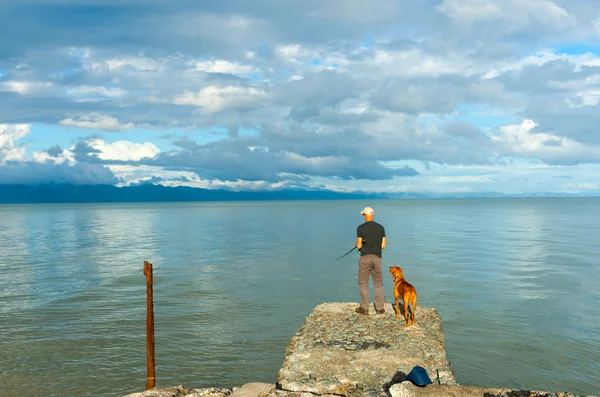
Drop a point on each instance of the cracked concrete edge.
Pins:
(159, 392)
(252, 389)
(407, 389)
(256, 389)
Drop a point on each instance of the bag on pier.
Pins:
(418, 376)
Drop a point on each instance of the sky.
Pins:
(387, 96)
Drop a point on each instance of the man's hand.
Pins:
(359, 243)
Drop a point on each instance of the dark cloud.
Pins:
(325, 89)
(545, 79)
(54, 151)
(83, 147)
(186, 143)
(437, 95)
(29, 172)
(465, 130)
(245, 159)
(553, 115)
(150, 181)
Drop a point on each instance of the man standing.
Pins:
(370, 241)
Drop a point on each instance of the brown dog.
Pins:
(405, 291)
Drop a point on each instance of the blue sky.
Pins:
(443, 96)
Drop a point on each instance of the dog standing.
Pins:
(405, 291)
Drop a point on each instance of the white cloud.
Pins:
(25, 87)
(66, 156)
(293, 53)
(579, 187)
(130, 175)
(214, 99)
(515, 13)
(86, 92)
(9, 135)
(520, 140)
(223, 66)
(112, 65)
(583, 92)
(123, 150)
(415, 62)
(471, 10)
(97, 121)
(198, 182)
(461, 179)
(541, 58)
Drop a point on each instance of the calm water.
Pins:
(515, 281)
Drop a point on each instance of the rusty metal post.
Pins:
(150, 382)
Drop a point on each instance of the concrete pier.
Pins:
(340, 352)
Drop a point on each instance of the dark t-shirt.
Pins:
(372, 234)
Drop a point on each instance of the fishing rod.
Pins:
(346, 253)
(363, 241)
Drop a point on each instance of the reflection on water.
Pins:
(515, 281)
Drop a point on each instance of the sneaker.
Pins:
(380, 311)
(361, 310)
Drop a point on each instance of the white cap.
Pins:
(367, 211)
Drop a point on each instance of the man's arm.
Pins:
(359, 240)
(383, 243)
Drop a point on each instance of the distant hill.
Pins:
(68, 193)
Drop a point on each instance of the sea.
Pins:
(515, 280)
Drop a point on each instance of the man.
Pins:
(370, 241)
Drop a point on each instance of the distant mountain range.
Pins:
(68, 193)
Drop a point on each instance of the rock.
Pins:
(210, 392)
(253, 389)
(175, 391)
(407, 389)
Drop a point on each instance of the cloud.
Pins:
(521, 141)
(122, 150)
(516, 15)
(245, 158)
(214, 99)
(9, 135)
(91, 93)
(56, 155)
(54, 165)
(97, 121)
(556, 115)
(25, 87)
(307, 93)
(224, 66)
(31, 172)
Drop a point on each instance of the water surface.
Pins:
(515, 281)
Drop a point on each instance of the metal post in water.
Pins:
(150, 382)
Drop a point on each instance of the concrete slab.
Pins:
(338, 351)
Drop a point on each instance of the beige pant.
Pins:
(370, 265)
